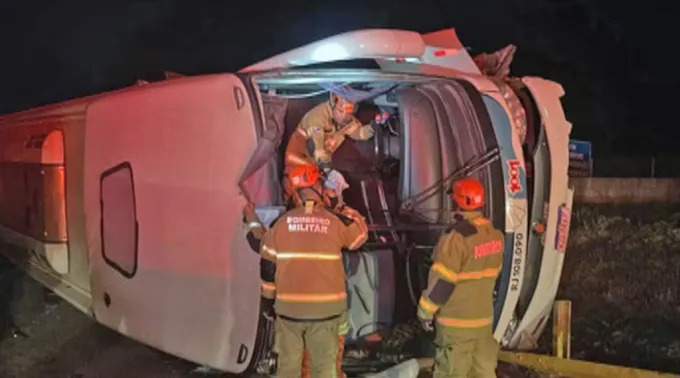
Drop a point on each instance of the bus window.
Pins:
(119, 219)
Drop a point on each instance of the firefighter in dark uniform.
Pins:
(458, 301)
(303, 272)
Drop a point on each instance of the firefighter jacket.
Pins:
(466, 262)
(317, 136)
(302, 261)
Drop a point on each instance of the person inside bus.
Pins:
(320, 133)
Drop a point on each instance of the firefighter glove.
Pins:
(322, 156)
(268, 308)
(427, 324)
(366, 132)
(269, 313)
(249, 212)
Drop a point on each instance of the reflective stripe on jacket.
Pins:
(303, 250)
(467, 261)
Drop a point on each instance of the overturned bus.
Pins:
(128, 204)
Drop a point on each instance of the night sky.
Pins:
(614, 58)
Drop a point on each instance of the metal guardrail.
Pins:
(563, 367)
(575, 368)
(561, 364)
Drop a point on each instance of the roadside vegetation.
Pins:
(622, 274)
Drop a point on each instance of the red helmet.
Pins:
(342, 104)
(468, 193)
(304, 176)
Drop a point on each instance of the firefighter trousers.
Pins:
(342, 333)
(462, 353)
(319, 337)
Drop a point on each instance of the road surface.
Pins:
(62, 342)
(58, 341)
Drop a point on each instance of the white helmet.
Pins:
(336, 181)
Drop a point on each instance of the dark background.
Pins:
(613, 58)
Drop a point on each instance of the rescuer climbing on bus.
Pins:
(458, 300)
(302, 272)
(321, 132)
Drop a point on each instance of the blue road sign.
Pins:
(580, 150)
(580, 158)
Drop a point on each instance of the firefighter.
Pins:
(334, 184)
(458, 301)
(320, 132)
(303, 272)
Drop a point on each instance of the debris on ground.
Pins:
(407, 369)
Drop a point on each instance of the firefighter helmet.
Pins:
(468, 193)
(304, 176)
(340, 103)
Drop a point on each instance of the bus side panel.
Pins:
(40, 205)
(170, 263)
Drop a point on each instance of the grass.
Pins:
(622, 274)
